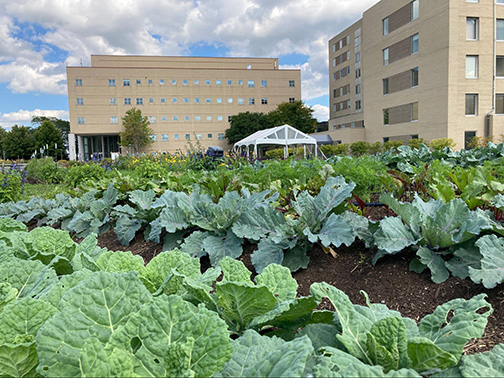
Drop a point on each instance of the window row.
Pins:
(397, 51)
(472, 66)
(341, 58)
(472, 29)
(127, 82)
(400, 114)
(185, 100)
(153, 119)
(341, 73)
(398, 18)
(471, 104)
(166, 137)
(401, 81)
(341, 43)
(352, 125)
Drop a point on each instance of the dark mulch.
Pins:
(389, 282)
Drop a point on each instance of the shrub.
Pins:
(278, 153)
(360, 148)
(12, 183)
(415, 143)
(480, 142)
(45, 170)
(81, 173)
(375, 148)
(392, 144)
(333, 150)
(442, 143)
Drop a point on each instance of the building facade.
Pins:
(186, 99)
(419, 69)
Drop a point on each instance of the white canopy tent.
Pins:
(285, 136)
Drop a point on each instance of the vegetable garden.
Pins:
(383, 265)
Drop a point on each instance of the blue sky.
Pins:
(39, 38)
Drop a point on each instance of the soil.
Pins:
(389, 282)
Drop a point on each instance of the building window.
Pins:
(198, 136)
(414, 10)
(210, 136)
(197, 118)
(292, 100)
(240, 82)
(414, 77)
(163, 100)
(196, 82)
(164, 137)
(197, 100)
(414, 111)
(186, 100)
(500, 66)
(114, 120)
(500, 30)
(163, 118)
(241, 101)
(264, 101)
(472, 28)
(385, 24)
(207, 82)
(185, 82)
(386, 120)
(499, 103)
(386, 86)
(81, 120)
(357, 73)
(153, 137)
(139, 101)
(251, 84)
(219, 118)
(264, 83)
(386, 56)
(126, 83)
(174, 82)
(334, 64)
(186, 118)
(78, 82)
(162, 82)
(176, 136)
(358, 105)
(357, 57)
(471, 104)
(468, 137)
(127, 101)
(229, 82)
(209, 118)
(188, 136)
(357, 41)
(219, 101)
(150, 82)
(414, 44)
(218, 82)
(251, 101)
(174, 100)
(152, 119)
(230, 100)
(138, 82)
(80, 101)
(112, 101)
(209, 100)
(292, 83)
(220, 136)
(175, 119)
(111, 83)
(358, 89)
(472, 66)
(151, 100)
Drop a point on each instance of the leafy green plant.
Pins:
(79, 174)
(335, 150)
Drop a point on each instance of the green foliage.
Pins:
(18, 143)
(416, 142)
(245, 124)
(295, 114)
(136, 130)
(334, 150)
(11, 184)
(392, 145)
(82, 173)
(48, 135)
(359, 148)
(45, 170)
(279, 153)
(442, 143)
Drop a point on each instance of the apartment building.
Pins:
(185, 98)
(419, 69)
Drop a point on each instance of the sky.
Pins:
(39, 38)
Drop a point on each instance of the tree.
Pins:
(18, 143)
(295, 114)
(245, 124)
(62, 125)
(136, 130)
(48, 135)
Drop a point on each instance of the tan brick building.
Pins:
(185, 98)
(419, 69)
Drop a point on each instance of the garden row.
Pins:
(448, 237)
(76, 310)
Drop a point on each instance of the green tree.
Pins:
(48, 135)
(245, 124)
(136, 130)
(18, 143)
(62, 125)
(295, 114)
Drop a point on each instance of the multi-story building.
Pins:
(185, 98)
(419, 69)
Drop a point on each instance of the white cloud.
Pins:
(168, 27)
(320, 112)
(24, 117)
